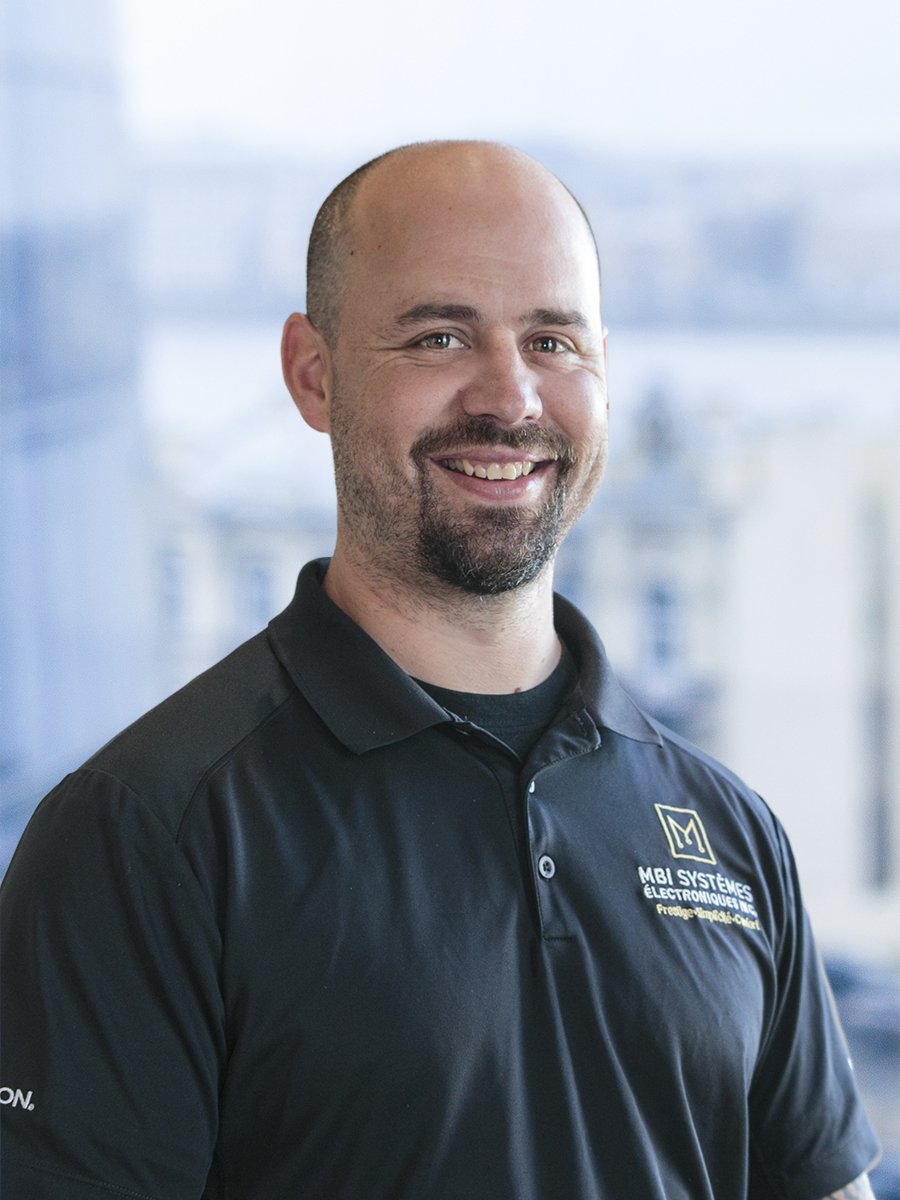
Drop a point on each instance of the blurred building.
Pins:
(244, 491)
(75, 629)
(223, 235)
(811, 713)
(748, 245)
(649, 563)
(766, 245)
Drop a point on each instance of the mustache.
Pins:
(532, 441)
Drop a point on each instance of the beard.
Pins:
(495, 549)
(406, 527)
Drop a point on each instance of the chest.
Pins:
(388, 908)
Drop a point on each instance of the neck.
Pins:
(450, 638)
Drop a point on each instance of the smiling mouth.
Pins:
(507, 470)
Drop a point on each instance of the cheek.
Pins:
(374, 436)
(421, 398)
(585, 423)
(581, 414)
(397, 404)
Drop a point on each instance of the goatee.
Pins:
(498, 548)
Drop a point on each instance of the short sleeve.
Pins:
(809, 1132)
(112, 1014)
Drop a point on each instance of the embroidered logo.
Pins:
(17, 1098)
(685, 833)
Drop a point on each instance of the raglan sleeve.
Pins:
(809, 1131)
(113, 1030)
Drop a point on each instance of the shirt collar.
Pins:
(605, 699)
(367, 700)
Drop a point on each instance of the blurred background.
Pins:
(162, 161)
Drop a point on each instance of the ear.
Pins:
(307, 370)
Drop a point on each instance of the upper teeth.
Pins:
(510, 470)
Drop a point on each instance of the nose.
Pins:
(503, 386)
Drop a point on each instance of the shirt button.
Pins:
(546, 866)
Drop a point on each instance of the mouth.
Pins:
(490, 470)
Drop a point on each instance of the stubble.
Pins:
(407, 530)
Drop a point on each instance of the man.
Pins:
(406, 898)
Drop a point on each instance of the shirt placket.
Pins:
(534, 799)
(547, 857)
(544, 805)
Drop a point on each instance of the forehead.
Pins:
(474, 227)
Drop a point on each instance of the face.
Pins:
(467, 400)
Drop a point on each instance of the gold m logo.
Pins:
(685, 833)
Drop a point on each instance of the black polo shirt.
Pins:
(300, 933)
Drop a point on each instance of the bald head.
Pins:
(401, 181)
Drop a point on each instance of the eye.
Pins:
(440, 341)
(546, 344)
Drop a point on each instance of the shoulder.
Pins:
(164, 756)
(695, 761)
(684, 765)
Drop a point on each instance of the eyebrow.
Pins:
(465, 312)
(440, 312)
(555, 316)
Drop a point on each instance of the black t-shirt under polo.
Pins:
(516, 718)
(290, 935)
